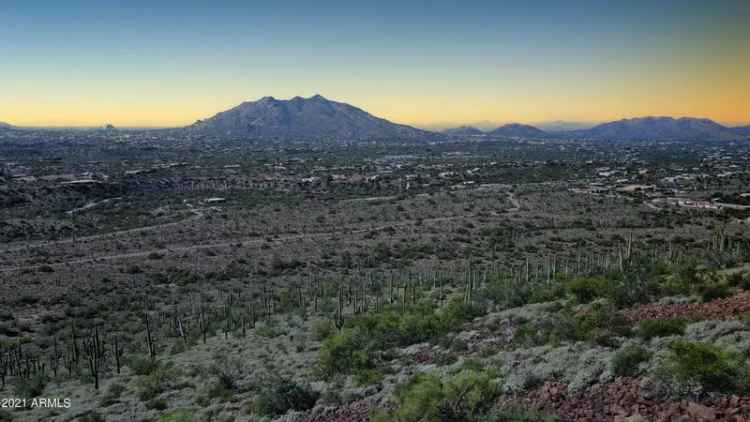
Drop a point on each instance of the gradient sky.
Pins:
(136, 63)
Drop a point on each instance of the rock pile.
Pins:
(722, 308)
(631, 400)
(358, 411)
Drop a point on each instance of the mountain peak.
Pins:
(303, 118)
(465, 130)
(518, 130)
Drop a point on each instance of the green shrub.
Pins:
(547, 292)
(227, 371)
(603, 323)
(739, 279)
(468, 396)
(92, 416)
(700, 367)
(156, 404)
(268, 331)
(471, 393)
(649, 329)
(506, 294)
(600, 325)
(686, 280)
(625, 362)
(150, 386)
(365, 377)
(112, 394)
(586, 289)
(343, 353)
(179, 415)
(142, 365)
(217, 389)
(419, 400)
(360, 344)
(283, 396)
(32, 387)
(322, 329)
(715, 291)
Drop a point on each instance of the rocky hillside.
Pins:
(579, 357)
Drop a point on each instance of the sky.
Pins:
(168, 63)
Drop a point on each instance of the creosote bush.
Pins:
(284, 395)
(159, 380)
(600, 325)
(360, 345)
(626, 360)
(586, 289)
(715, 291)
(32, 387)
(694, 368)
(322, 329)
(142, 365)
(468, 396)
(649, 329)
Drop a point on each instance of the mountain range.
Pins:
(742, 130)
(562, 125)
(660, 128)
(303, 118)
(464, 131)
(642, 128)
(320, 118)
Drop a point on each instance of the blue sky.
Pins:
(78, 63)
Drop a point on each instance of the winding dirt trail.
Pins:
(193, 247)
(246, 241)
(197, 214)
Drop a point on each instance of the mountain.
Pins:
(464, 131)
(4, 125)
(743, 131)
(303, 118)
(562, 125)
(516, 130)
(659, 128)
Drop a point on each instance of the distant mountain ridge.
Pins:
(639, 128)
(658, 128)
(742, 130)
(563, 125)
(517, 130)
(4, 125)
(303, 118)
(464, 131)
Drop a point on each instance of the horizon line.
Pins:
(433, 126)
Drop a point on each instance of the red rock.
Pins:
(702, 412)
